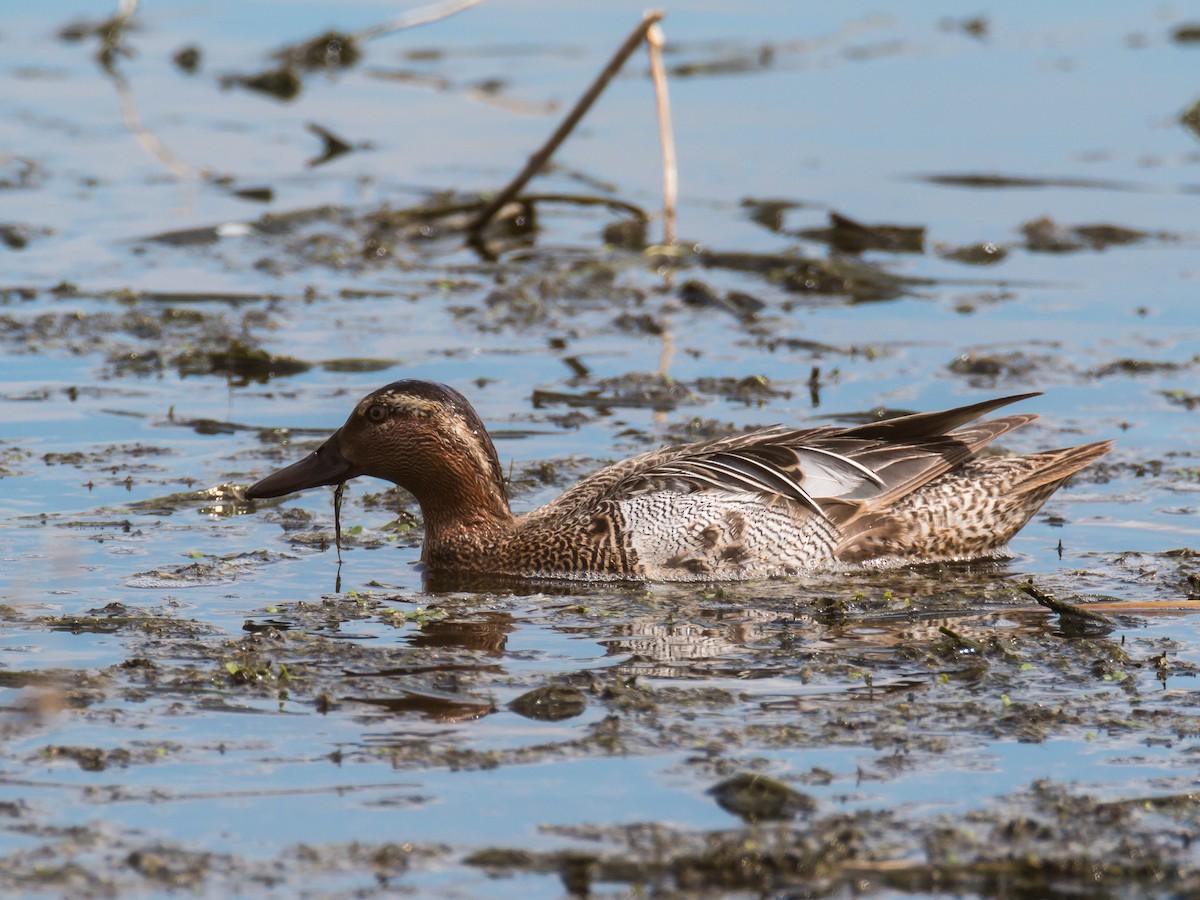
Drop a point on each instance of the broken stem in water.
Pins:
(337, 519)
(582, 105)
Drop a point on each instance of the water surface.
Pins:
(191, 699)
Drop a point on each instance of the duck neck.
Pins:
(463, 498)
(462, 508)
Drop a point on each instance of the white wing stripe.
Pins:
(854, 464)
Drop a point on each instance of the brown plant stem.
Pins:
(582, 105)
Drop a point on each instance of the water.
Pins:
(144, 706)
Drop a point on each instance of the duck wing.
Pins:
(837, 473)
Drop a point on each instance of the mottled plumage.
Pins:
(777, 501)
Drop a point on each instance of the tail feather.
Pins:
(904, 474)
(969, 512)
(1061, 464)
(920, 426)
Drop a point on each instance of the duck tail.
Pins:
(918, 426)
(1060, 465)
(970, 512)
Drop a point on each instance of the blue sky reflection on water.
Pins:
(859, 106)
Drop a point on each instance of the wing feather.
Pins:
(840, 473)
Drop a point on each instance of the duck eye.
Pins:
(376, 413)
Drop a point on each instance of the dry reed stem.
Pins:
(147, 139)
(655, 40)
(666, 352)
(582, 105)
(423, 16)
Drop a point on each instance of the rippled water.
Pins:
(188, 698)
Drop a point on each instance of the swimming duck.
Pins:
(772, 502)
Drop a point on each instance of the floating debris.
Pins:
(1187, 33)
(757, 798)
(1044, 235)
(770, 214)
(1190, 118)
(331, 50)
(982, 254)
(280, 83)
(333, 146)
(187, 59)
(243, 361)
(551, 703)
(987, 181)
(694, 292)
(849, 236)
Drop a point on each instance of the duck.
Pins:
(771, 502)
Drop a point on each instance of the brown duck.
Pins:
(776, 501)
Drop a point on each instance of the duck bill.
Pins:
(325, 465)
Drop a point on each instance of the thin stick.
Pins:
(111, 32)
(1066, 609)
(145, 137)
(337, 518)
(582, 105)
(423, 16)
(655, 40)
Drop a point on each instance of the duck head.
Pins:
(421, 435)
